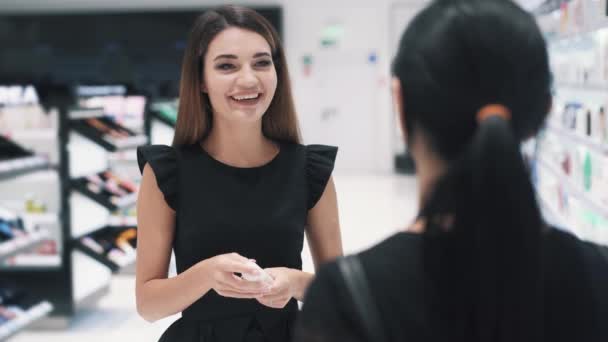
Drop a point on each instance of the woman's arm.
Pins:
(323, 235)
(157, 296)
(323, 231)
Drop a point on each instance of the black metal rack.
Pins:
(11, 169)
(77, 125)
(125, 202)
(113, 265)
(21, 244)
(152, 115)
(55, 283)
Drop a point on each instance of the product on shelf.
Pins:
(11, 229)
(16, 237)
(117, 190)
(572, 181)
(109, 130)
(166, 110)
(116, 244)
(17, 310)
(14, 157)
(126, 110)
(10, 150)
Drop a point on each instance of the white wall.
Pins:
(342, 81)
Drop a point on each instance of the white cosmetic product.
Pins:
(260, 276)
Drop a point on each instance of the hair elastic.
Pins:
(493, 110)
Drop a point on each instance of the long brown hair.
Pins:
(195, 115)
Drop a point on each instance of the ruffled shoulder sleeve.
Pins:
(163, 161)
(320, 161)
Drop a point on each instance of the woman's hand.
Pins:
(287, 283)
(220, 272)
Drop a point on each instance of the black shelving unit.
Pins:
(29, 317)
(19, 245)
(152, 115)
(113, 265)
(55, 284)
(77, 125)
(125, 202)
(157, 116)
(11, 169)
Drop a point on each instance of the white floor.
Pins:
(371, 208)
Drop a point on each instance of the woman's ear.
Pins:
(204, 88)
(398, 103)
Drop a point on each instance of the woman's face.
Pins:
(240, 77)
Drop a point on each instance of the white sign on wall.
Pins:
(18, 95)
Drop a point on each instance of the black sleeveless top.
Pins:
(258, 212)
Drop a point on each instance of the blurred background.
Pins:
(84, 82)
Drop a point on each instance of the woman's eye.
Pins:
(225, 66)
(263, 63)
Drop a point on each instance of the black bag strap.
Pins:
(365, 306)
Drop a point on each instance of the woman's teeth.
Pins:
(246, 97)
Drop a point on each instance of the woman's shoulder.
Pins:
(380, 261)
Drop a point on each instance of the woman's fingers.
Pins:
(237, 284)
(232, 294)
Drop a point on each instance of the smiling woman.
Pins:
(235, 194)
(222, 54)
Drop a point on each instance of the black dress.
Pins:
(258, 212)
(575, 296)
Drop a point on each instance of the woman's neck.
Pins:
(429, 169)
(239, 145)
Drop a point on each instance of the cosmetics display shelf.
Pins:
(20, 162)
(577, 138)
(91, 246)
(91, 299)
(102, 130)
(22, 244)
(82, 272)
(572, 189)
(24, 319)
(552, 216)
(582, 86)
(163, 111)
(112, 204)
(158, 116)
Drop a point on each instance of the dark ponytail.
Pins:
(508, 232)
(482, 249)
(494, 236)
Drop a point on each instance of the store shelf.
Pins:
(126, 157)
(32, 134)
(113, 265)
(553, 217)
(573, 136)
(85, 113)
(121, 203)
(582, 86)
(130, 269)
(21, 244)
(126, 221)
(108, 143)
(92, 298)
(161, 118)
(573, 190)
(20, 323)
(13, 168)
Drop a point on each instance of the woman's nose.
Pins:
(247, 78)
